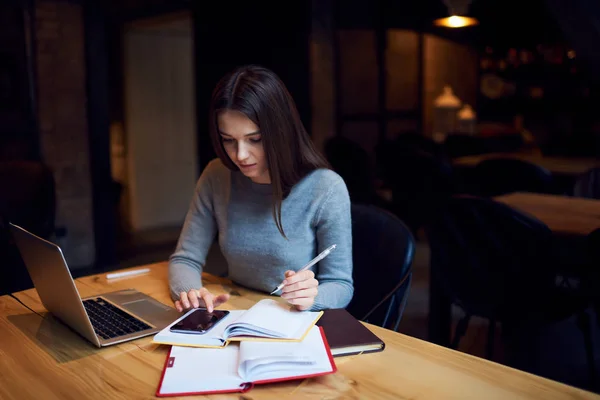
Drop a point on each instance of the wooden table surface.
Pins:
(571, 166)
(562, 214)
(42, 359)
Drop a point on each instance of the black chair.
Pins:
(462, 145)
(588, 185)
(592, 283)
(505, 143)
(497, 176)
(420, 184)
(593, 242)
(353, 164)
(387, 150)
(383, 250)
(497, 263)
(27, 198)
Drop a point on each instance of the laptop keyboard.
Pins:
(109, 321)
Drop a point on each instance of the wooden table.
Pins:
(563, 214)
(42, 359)
(569, 166)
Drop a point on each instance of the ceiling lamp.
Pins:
(458, 10)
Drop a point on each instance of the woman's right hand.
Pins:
(199, 298)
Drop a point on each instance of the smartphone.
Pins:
(200, 321)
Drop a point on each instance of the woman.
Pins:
(270, 198)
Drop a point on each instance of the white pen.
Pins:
(127, 273)
(312, 262)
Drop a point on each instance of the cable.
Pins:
(25, 305)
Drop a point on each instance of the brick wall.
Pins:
(63, 122)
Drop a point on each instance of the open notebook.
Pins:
(266, 320)
(238, 367)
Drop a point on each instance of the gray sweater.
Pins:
(315, 215)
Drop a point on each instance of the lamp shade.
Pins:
(458, 10)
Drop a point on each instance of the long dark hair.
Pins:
(261, 96)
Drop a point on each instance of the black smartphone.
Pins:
(200, 321)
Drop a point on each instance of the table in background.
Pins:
(563, 215)
(40, 358)
(566, 166)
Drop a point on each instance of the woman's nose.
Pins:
(242, 152)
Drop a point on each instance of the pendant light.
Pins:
(458, 10)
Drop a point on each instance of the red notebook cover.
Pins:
(245, 386)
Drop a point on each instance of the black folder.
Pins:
(346, 335)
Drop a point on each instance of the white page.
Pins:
(202, 370)
(214, 337)
(272, 360)
(272, 316)
(272, 355)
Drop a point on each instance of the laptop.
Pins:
(105, 319)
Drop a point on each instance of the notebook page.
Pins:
(278, 319)
(272, 355)
(272, 360)
(202, 370)
(214, 337)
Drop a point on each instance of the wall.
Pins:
(448, 63)
(322, 73)
(251, 35)
(358, 83)
(61, 87)
(17, 138)
(160, 122)
(402, 78)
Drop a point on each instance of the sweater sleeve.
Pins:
(198, 233)
(334, 226)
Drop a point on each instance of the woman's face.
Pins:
(243, 143)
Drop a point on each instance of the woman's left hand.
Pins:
(300, 289)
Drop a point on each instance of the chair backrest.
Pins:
(353, 164)
(420, 184)
(489, 258)
(460, 145)
(497, 176)
(588, 185)
(591, 281)
(383, 250)
(505, 143)
(387, 151)
(593, 241)
(27, 198)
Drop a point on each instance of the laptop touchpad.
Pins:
(145, 307)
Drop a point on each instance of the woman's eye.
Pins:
(226, 140)
(256, 140)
